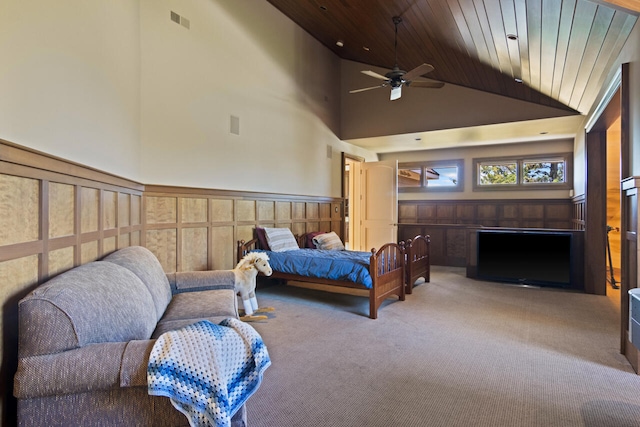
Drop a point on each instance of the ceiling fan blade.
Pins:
(418, 71)
(374, 74)
(366, 88)
(419, 83)
(396, 93)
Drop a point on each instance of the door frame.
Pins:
(614, 104)
(349, 203)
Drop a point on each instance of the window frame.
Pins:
(423, 166)
(519, 184)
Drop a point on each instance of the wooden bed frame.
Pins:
(418, 263)
(386, 266)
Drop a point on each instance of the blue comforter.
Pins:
(352, 266)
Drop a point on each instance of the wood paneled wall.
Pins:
(56, 215)
(579, 211)
(450, 222)
(198, 229)
(538, 213)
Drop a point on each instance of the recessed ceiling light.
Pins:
(518, 80)
(365, 48)
(340, 43)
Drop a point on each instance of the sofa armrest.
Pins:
(133, 371)
(188, 281)
(93, 367)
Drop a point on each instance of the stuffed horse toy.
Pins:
(245, 283)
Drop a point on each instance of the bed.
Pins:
(382, 272)
(418, 264)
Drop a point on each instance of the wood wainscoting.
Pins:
(197, 229)
(527, 213)
(450, 243)
(577, 220)
(56, 215)
(451, 222)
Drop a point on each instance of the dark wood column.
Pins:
(596, 214)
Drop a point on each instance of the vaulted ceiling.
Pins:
(554, 53)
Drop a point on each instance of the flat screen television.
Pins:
(525, 257)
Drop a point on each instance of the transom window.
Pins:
(530, 172)
(441, 175)
(498, 173)
(545, 171)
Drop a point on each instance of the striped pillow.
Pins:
(329, 241)
(280, 239)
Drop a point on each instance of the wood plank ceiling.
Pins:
(560, 50)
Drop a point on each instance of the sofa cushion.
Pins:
(93, 303)
(144, 264)
(190, 307)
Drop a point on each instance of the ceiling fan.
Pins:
(397, 78)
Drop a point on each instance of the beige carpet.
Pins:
(457, 352)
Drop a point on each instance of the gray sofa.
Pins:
(85, 338)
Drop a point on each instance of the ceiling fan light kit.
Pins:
(396, 78)
(396, 93)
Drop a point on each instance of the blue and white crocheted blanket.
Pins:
(208, 371)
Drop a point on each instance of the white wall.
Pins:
(242, 59)
(118, 86)
(470, 153)
(69, 80)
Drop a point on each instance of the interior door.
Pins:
(379, 204)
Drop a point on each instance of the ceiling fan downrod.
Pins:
(396, 20)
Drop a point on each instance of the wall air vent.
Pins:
(180, 20)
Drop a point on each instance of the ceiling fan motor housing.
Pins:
(395, 77)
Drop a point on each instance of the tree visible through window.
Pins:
(497, 174)
(530, 172)
(543, 172)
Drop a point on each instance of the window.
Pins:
(408, 178)
(546, 171)
(442, 175)
(530, 172)
(495, 173)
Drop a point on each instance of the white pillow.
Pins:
(329, 241)
(280, 239)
